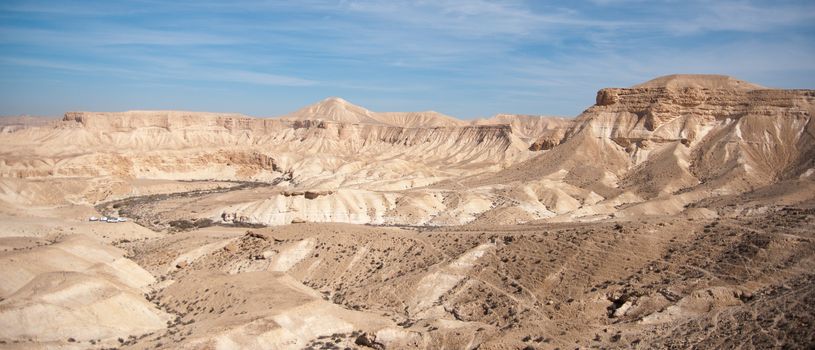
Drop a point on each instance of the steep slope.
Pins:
(652, 149)
(190, 145)
(542, 133)
(87, 291)
(674, 214)
(686, 136)
(94, 157)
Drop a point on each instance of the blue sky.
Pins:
(467, 58)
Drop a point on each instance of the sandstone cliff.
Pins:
(318, 152)
(688, 136)
(655, 148)
(540, 132)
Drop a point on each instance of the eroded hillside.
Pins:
(677, 213)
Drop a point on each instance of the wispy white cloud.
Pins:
(478, 56)
(62, 65)
(72, 9)
(90, 36)
(477, 18)
(162, 73)
(744, 16)
(244, 76)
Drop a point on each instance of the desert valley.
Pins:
(677, 213)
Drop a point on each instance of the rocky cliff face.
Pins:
(168, 120)
(755, 136)
(680, 138)
(540, 132)
(183, 127)
(651, 149)
(316, 152)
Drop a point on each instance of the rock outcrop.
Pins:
(651, 149)
(688, 136)
(540, 132)
(203, 146)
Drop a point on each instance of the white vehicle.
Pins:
(104, 218)
(122, 219)
(93, 218)
(113, 220)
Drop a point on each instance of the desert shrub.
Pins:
(182, 224)
(247, 224)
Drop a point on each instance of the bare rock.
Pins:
(543, 145)
(311, 194)
(607, 97)
(368, 340)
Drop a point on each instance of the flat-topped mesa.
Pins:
(687, 89)
(701, 81)
(332, 112)
(677, 134)
(168, 120)
(717, 127)
(190, 145)
(709, 97)
(183, 125)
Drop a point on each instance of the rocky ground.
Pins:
(660, 282)
(678, 213)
